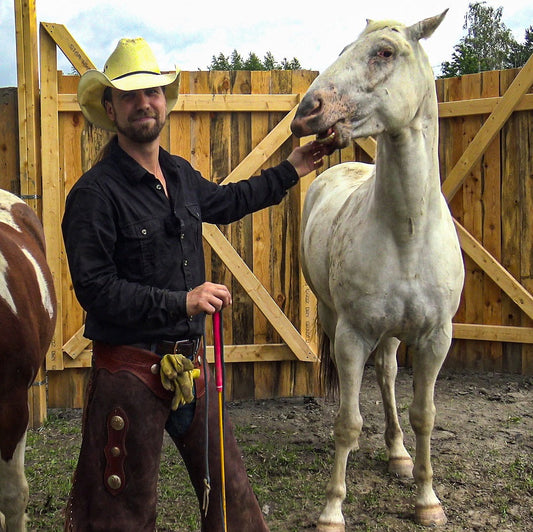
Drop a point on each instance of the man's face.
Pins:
(140, 114)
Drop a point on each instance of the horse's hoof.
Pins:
(330, 527)
(430, 515)
(401, 467)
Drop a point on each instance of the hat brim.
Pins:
(93, 84)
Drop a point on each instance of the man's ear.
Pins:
(110, 111)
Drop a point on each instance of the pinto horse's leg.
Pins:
(427, 360)
(350, 356)
(400, 462)
(14, 491)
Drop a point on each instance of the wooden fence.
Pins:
(229, 125)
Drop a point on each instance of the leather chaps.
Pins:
(115, 483)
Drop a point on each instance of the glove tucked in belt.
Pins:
(177, 375)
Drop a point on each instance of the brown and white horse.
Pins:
(379, 247)
(27, 321)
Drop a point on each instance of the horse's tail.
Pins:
(328, 376)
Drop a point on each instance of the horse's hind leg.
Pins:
(14, 489)
(350, 357)
(400, 463)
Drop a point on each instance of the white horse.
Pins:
(379, 248)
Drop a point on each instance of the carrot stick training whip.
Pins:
(219, 379)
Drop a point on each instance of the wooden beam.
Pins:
(29, 150)
(493, 333)
(258, 293)
(28, 102)
(212, 103)
(480, 106)
(495, 270)
(489, 129)
(76, 344)
(72, 50)
(52, 187)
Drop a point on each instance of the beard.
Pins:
(142, 133)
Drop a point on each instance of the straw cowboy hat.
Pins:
(131, 66)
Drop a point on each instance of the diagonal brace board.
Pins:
(213, 235)
(490, 128)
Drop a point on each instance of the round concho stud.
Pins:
(155, 369)
(114, 482)
(117, 422)
(115, 451)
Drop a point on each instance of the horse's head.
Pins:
(377, 84)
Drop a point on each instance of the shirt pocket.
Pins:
(193, 224)
(138, 248)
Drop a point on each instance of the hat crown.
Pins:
(129, 57)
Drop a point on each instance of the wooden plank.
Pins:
(480, 106)
(68, 45)
(490, 128)
(28, 102)
(263, 151)
(265, 373)
(29, 149)
(258, 293)
(472, 218)
(493, 333)
(491, 226)
(511, 223)
(211, 103)
(75, 345)
(9, 162)
(497, 272)
(52, 188)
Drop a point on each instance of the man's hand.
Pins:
(208, 298)
(309, 157)
(177, 375)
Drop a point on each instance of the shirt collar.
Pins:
(130, 168)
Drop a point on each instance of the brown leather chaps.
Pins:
(115, 483)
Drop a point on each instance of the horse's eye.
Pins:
(385, 54)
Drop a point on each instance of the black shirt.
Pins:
(134, 253)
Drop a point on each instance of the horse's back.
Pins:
(323, 204)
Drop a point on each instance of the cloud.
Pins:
(189, 34)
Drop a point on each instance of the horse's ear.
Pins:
(426, 27)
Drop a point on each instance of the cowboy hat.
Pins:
(131, 66)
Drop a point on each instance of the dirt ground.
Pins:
(482, 459)
(482, 449)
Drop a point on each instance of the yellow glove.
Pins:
(177, 375)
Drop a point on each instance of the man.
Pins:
(133, 235)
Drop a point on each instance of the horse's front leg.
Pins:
(400, 462)
(14, 489)
(350, 357)
(427, 361)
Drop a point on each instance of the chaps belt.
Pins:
(187, 348)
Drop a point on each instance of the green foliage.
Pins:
(487, 45)
(236, 62)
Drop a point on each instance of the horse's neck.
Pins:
(407, 175)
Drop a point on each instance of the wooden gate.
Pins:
(232, 124)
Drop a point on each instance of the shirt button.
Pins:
(182, 235)
(144, 231)
(158, 186)
(185, 262)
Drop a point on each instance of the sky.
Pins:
(189, 34)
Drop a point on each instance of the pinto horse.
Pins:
(378, 245)
(27, 321)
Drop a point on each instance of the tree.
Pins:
(235, 62)
(487, 45)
